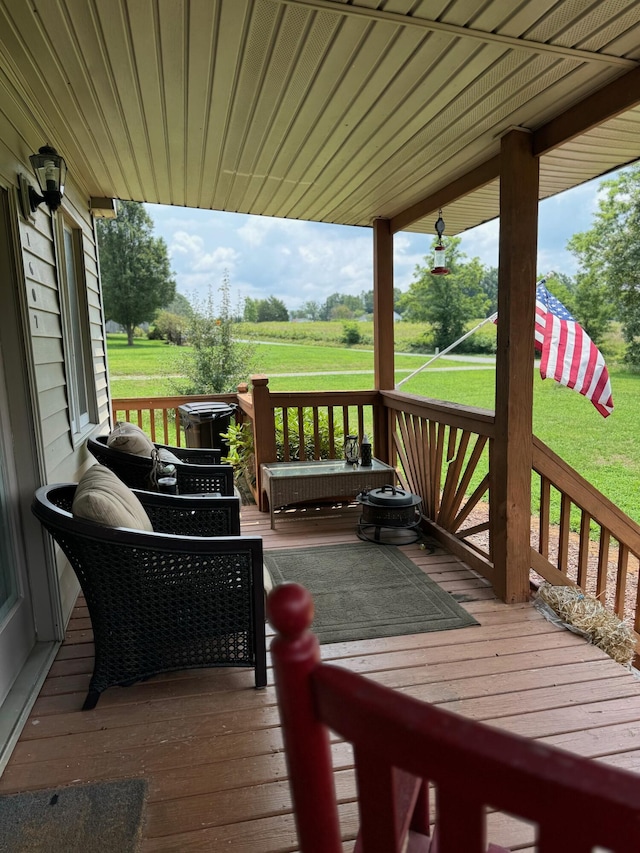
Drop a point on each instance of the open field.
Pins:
(605, 451)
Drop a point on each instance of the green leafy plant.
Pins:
(308, 430)
(215, 362)
(351, 334)
(241, 448)
(241, 453)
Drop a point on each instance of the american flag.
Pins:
(568, 354)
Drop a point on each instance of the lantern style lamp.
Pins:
(439, 252)
(351, 450)
(51, 172)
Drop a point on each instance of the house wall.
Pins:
(58, 454)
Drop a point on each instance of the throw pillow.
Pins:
(101, 497)
(130, 438)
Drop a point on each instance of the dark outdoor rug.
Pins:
(362, 591)
(104, 816)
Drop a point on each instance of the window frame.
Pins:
(76, 330)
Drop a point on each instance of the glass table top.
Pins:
(320, 467)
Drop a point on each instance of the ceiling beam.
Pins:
(614, 98)
(461, 32)
(465, 184)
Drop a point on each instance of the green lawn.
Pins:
(604, 451)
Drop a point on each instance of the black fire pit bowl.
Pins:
(390, 516)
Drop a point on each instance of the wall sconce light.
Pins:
(439, 252)
(51, 172)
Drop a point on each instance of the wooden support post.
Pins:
(383, 331)
(511, 451)
(264, 430)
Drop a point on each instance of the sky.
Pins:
(299, 262)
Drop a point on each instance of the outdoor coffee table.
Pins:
(286, 483)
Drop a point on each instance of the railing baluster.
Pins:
(621, 580)
(285, 433)
(425, 461)
(152, 424)
(456, 462)
(464, 481)
(583, 552)
(563, 538)
(422, 453)
(603, 565)
(332, 432)
(438, 468)
(433, 456)
(451, 445)
(543, 530)
(316, 433)
(301, 448)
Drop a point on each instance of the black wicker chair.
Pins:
(196, 473)
(177, 598)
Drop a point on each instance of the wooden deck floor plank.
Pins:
(599, 740)
(555, 696)
(573, 718)
(266, 835)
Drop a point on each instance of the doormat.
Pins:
(362, 591)
(104, 816)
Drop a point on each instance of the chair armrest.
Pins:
(195, 455)
(192, 515)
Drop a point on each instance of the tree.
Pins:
(272, 310)
(265, 310)
(311, 310)
(348, 306)
(447, 302)
(609, 257)
(250, 314)
(489, 286)
(215, 362)
(563, 287)
(180, 306)
(169, 327)
(134, 268)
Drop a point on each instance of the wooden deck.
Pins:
(209, 744)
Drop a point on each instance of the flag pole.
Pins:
(491, 318)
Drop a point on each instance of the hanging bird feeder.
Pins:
(439, 252)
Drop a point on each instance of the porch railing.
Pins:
(159, 416)
(441, 452)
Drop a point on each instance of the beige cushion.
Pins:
(130, 438)
(100, 496)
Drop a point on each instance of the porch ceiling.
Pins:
(313, 109)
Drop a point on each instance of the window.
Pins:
(76, 333)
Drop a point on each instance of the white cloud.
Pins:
(185, 244)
